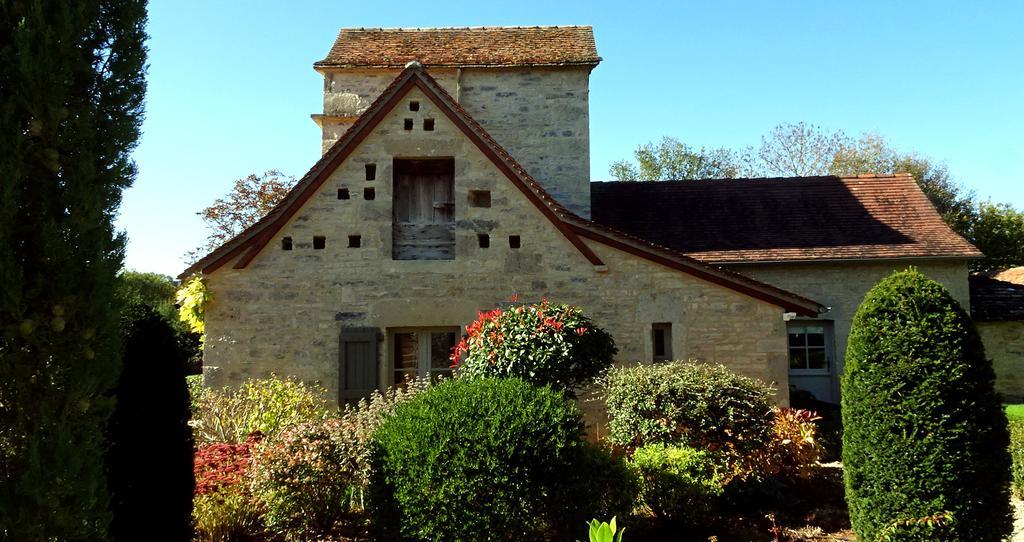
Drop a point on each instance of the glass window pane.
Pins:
(406, 355)
(797, 337)
(441, 344)
(797, 358)
(816, 339)
(816, 359)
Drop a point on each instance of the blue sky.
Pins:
(231, 86)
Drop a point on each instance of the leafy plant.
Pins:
(605, 532)
(706, 407)
(193, 298)
(481, 459)
(544, 344)
(1017, 454)
(794, 449)
(266, 406)
(923, 528)
(224, 509)
(677, 483)
(923, 428)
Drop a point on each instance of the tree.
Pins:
(149, 463)
(72, 81)
(672, 159)
(997, 230)
(249, 200)
(924, 433)
(157, 292)
(799, 150)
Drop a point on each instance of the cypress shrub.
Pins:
(489, 459)
(149, 463)
(924, 433)
(72, 81)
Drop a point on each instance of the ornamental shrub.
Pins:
(543, 344)
(923, 430)
(679, 484)
(706, 407)
(149, 427)
(224, 509)
(1017, 453)
(482, 459)
(794, 449)
(266, 406)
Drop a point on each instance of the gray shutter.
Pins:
(357, 366)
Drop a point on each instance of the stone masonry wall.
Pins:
(842, 287)
(284, 312)
(1004, 345)
(540, 115)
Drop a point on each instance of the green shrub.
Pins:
(1017, 453)
(543, 344)
(923, 430)
(706, 407)
(266, 406)
(677, 483)
(482, 459)
(229, 515)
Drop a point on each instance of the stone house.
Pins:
(455, 173)
(997, 306)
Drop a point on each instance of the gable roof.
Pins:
(995, 300)
(478, 46)
(732, 221)
(246, 245)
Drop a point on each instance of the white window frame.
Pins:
(423, 350)
(829, 346)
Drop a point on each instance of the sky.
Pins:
(231, 87)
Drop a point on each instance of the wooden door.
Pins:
(423, 209)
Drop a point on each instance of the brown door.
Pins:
(423, 211)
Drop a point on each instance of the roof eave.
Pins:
(855, 259)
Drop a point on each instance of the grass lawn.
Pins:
(1015, 412)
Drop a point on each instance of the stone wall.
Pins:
(1004, 345)
(842, 286)
(540, 115)
(284, 312)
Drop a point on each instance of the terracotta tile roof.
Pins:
(790, 219)
(996, 300)
(478, 46)
(245, 246)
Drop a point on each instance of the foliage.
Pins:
(228, 515)
(149, 427)
(923, 528)
(249, 200)
(794, 449)
(601, 531)
(1014, 412)
(195, 391)
(1017, 455)
(707, 407)
(224, 509)
(672, 159)
(923, 429)
(266, 406)
(306, 479)
(193, 298)
(481, 459)
(72, 78)
(542, 343)
(677, 483)
(803, 149)
(157, 292)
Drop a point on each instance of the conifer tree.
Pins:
(72, 86)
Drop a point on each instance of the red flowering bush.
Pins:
(794, 448)
(224, 508)
(544, 344)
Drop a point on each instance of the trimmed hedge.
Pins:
(486, 459)
(679, 484)
(924, 432)
(1017, 453)
(707, 407)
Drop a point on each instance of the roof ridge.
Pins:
(437, 28)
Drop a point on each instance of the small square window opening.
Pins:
(319, 242)
(371, 172)
(369, 194)
(286, 243)
(484, 240)
(355, 241)
(343, 193)
(479, 198)
(428, 125)
(414, 106)
(514, 241)
(661, 339)
(408, 124)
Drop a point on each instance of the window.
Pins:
(428, 125)
(319, 242)
(810, 346)
(484, 240)
(369, 194)
(479, 198)
(661, 341)
(286, 243)
(514, 241)
(414, 106)
(407, 124)
(422, 352)
(423, 210)
(371, 172)
(343, 193)
(355, 241)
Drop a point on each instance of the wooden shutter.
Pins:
(357, 367)
(423, 209)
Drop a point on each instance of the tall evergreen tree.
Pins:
(72, 86)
